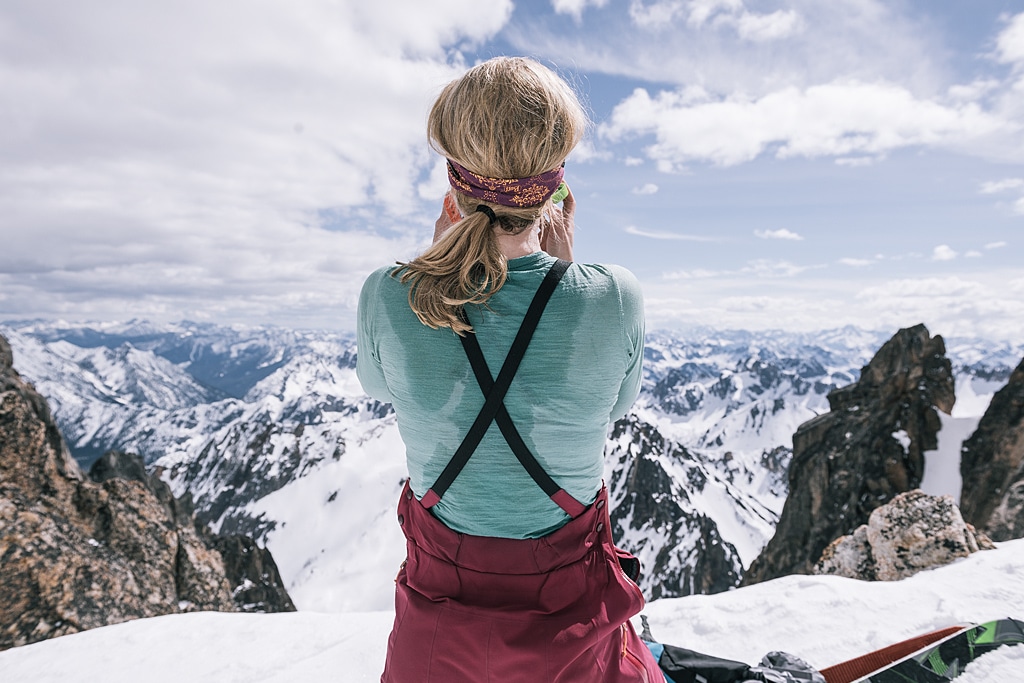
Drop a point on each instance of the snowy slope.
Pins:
(823, 619)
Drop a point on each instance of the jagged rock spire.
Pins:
(992, 465)
(866, 450)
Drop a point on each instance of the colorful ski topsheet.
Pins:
(946, 659)
(857, 668)
(936, 657)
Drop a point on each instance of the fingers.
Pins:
(451, 209)
(569, 203)
(444, 221)
(557, 232)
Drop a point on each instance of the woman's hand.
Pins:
(556, 235)
(445, 220)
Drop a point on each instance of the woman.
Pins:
(511, 574)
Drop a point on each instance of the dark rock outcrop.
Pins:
(992, 465)
(866, 450)
(910, 533)
(250, 569)
(653, 517)
(75, 553)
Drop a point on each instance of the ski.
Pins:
(938, 657)
(857, 668)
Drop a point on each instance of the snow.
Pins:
(900, 436)
(335, 538)
(1005, 665)
(973, 395)
(942, 466)
(824, 619)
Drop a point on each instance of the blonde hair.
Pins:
(509, 117)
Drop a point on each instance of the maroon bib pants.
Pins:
(495, 610)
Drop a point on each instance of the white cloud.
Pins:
(995, 245)
(780, 234)
(835, 119)
(987, 306)
(973, 253)
(685, 42)
(170, 156)
(586, 152)
(943, 252)
(661, 235)
(1010, 42)
(996, 186)
(696, 274)
(656, 14)
(732, 14)
(857, 162)
(765, 27)
(647, 188)
(856, 262)
(774, 269)
(924, 288)
(975, 90)
(576, 7)
(1007, 185)
(633, 161)
(952, 306)
(701, 11)
(436, 184)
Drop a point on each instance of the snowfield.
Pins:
(823, 619)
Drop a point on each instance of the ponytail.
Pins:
(464, 267)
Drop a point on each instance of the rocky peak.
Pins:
(39, 462)
(992, 465)
(652, 516)
(6, 357)
(865, 451)
(912, 362)
(76, 553)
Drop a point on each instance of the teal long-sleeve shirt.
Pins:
(581, 372)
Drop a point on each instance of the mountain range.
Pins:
(271, 434)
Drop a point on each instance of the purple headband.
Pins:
(506, 192)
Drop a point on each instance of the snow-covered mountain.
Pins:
(270, 432)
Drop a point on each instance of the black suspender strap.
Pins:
(508, 429)
(494, 408)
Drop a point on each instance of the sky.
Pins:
(793, 165)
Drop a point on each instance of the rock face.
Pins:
(250, 569)
(76, 553)
(914, 531)
(653, 515)
(992, 465)
(863, 453)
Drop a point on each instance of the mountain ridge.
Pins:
(302, 446)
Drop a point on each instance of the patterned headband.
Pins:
(506, 192)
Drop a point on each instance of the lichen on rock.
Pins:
(913, 532)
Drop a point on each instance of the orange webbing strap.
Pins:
(851, 670)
